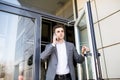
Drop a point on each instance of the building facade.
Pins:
(26, 27)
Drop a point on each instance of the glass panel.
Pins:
(83, 37)
(13, 1)
(16, 46)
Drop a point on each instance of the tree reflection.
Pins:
(2, 71)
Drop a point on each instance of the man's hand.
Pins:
(54, 39)
(85, 49)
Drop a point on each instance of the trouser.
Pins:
(63, 77)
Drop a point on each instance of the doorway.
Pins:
(22, 42)
(85, 36)
(46, 38)
(26, 33)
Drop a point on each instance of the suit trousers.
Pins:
(63, 77)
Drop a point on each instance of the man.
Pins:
(61, 55)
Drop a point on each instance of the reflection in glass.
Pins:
(8, 28)
(16, 46)
(13, 1)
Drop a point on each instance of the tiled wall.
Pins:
(106, 18)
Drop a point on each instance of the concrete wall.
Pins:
(106, 17)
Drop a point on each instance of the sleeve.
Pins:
(77, 57)
(47, 52)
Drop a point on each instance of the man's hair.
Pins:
(58, 26)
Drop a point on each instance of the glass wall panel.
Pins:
(16, 46)
(16, 2)
(83, 37)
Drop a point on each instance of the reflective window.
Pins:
(83, 37)
(16, 46)
(13, 1)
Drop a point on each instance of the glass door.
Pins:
(84, 35)
(19, 43)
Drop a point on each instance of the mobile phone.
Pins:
(54, 35)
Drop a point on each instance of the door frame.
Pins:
(38, 16)
(92, 41)
(12, 9)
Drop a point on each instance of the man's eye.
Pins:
(58, 31)
(62, 31)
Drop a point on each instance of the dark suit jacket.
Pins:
(51, 51)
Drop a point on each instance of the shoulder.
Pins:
(69, 44)
(48, 44)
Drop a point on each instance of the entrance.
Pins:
(23, 36)
(46, 38)
(85, 36)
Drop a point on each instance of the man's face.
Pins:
(59, 32)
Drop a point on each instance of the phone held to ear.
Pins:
(55, 37)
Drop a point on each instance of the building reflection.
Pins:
(24, 47)
(16, 46)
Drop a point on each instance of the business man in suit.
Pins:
(61, 54)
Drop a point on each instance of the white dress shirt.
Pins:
(62, 66)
